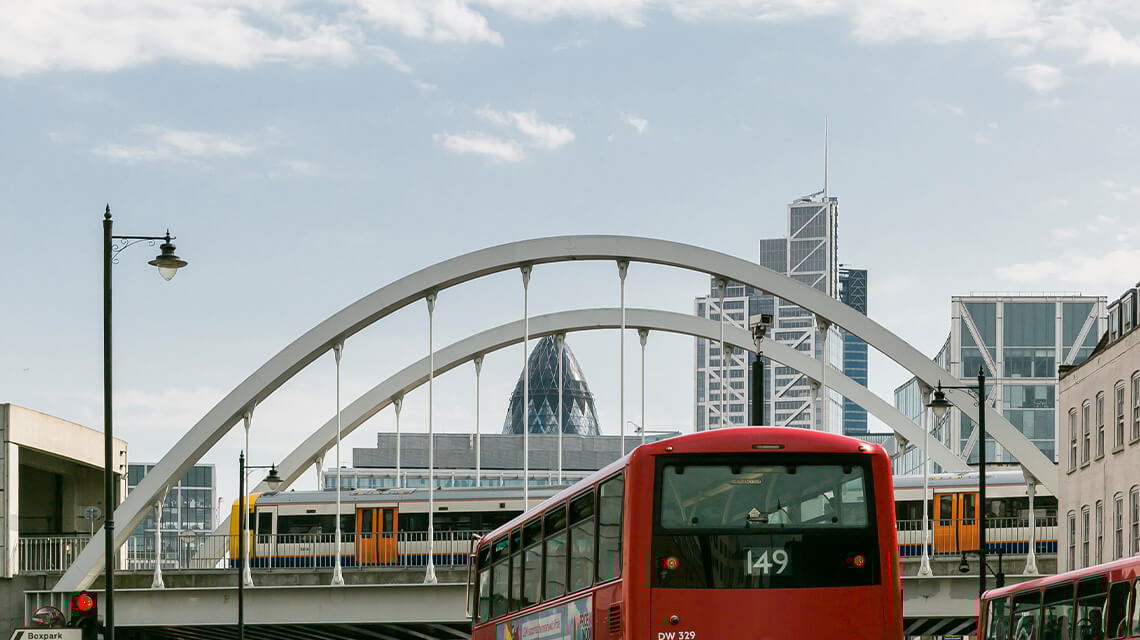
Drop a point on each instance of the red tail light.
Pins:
(82, 603)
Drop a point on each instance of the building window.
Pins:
(1072, 540)
(1118, 525)
(1118, 436)
(1085, 536)
(1100, 424)
(1134, 507)
(1072, 439)
(1099, 532)
(1136, 405)
(1085, 433)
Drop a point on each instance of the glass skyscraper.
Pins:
(808, 254)
(853, 293)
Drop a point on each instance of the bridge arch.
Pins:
(362, 313)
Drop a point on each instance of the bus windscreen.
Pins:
(758, 522)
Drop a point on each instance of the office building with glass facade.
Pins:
(808, 254)
(189, 511)
(853, 293)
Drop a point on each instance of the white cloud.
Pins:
(1042, 78)
(1064, 233)
(109, 35)
(956, 110)
(981, 138)
(992, 125)
(573, 44)
(174, 144)
(481, 144)
(440, 20)
(543, 135)
(1098, 272)
(641, 124)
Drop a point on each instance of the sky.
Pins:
(305, 154)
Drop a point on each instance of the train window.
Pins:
(412, 521)
(1024, 620)
(516, 570)
(264, 526)
(532, 563)
(945, 509)
(1089, 614)
(582, 541)
(1116, 616)
(997, 619)
(1057, 613)
(610, 505)
(554, 553)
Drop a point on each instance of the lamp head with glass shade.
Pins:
(938, 404)
(168, 264)
(273, 480)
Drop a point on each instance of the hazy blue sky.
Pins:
(307, 153)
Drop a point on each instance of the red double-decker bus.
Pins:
(749, 533)
(1101, 602)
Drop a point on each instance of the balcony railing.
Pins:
(953, 536)
(48, 554)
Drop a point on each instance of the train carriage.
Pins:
(379, 527)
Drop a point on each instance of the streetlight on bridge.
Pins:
(168, 264)
(940, 406)
(274, 481)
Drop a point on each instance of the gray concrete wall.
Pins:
(12, 600)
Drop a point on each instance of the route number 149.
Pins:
(767, 562)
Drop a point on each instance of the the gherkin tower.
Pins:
(579, 417)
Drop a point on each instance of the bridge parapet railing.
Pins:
(306, 550)
(952, 536)
(48, 554)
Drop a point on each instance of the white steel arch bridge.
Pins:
(429, 281)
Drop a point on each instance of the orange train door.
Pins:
(968, 521)
(366, 536)
(388, 535)
(945, 523)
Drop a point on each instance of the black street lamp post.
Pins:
(274, 481)
(168, 264)
(939, 405)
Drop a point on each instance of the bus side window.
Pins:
(532, 562)
(1091, 595)
(1026, 607)
(582, 541)
(484, 611)
(554, 553)
(1135, 608)
(499, 577)
(1116, 615)
(516, 570)
(997, 619)
(1057, 613)
(610, 506)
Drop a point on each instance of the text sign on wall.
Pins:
(42, 633)
(567, 621)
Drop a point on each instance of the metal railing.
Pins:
(953, 536)
(48, 554)
(310, 550)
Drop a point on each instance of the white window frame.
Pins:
(1099, 532)
(1072, 439)
(1118, 405)
(1072, 540)
(1118, 526)
(1100, 425)
(1085, 517)
(1086, 432)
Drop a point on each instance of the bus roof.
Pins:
(728, 440)
(1131, 562)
